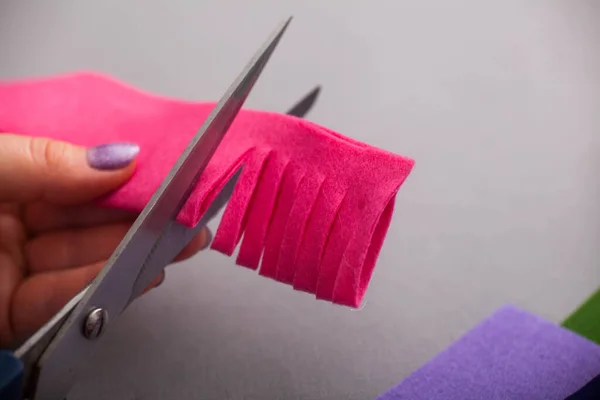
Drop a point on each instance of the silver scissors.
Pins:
(47, 364)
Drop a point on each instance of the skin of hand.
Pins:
(53, 240)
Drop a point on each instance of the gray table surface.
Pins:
(499, 104)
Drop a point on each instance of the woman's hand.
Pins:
(53, 242)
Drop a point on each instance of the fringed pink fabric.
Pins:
(313, 207)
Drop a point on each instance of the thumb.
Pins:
(40, 169)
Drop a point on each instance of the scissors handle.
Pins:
(11, 376)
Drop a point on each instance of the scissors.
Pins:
(45, 366)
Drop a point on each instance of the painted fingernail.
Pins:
(208, 237)
(112, 156)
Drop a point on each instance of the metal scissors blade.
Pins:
(112, 290)
(303, 106)
(179, 236)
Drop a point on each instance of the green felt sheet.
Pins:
(585, 320)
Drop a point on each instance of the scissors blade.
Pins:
(301, 108)
(110, 292)
(180, 236)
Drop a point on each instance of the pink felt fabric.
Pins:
(313, 206)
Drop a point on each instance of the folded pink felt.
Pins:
(313, 204)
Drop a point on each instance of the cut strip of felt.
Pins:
(585, 320)
(512, 355)
(311, 207)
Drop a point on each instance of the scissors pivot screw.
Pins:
(94, 323)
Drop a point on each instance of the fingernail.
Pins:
(208, 237)
(112, 155)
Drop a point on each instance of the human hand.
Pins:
(53, 242)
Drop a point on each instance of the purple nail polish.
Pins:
(112, 155)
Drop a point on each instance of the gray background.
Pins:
(498, 102)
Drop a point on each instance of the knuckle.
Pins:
(48, 154)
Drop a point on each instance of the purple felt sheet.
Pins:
(512, 355)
